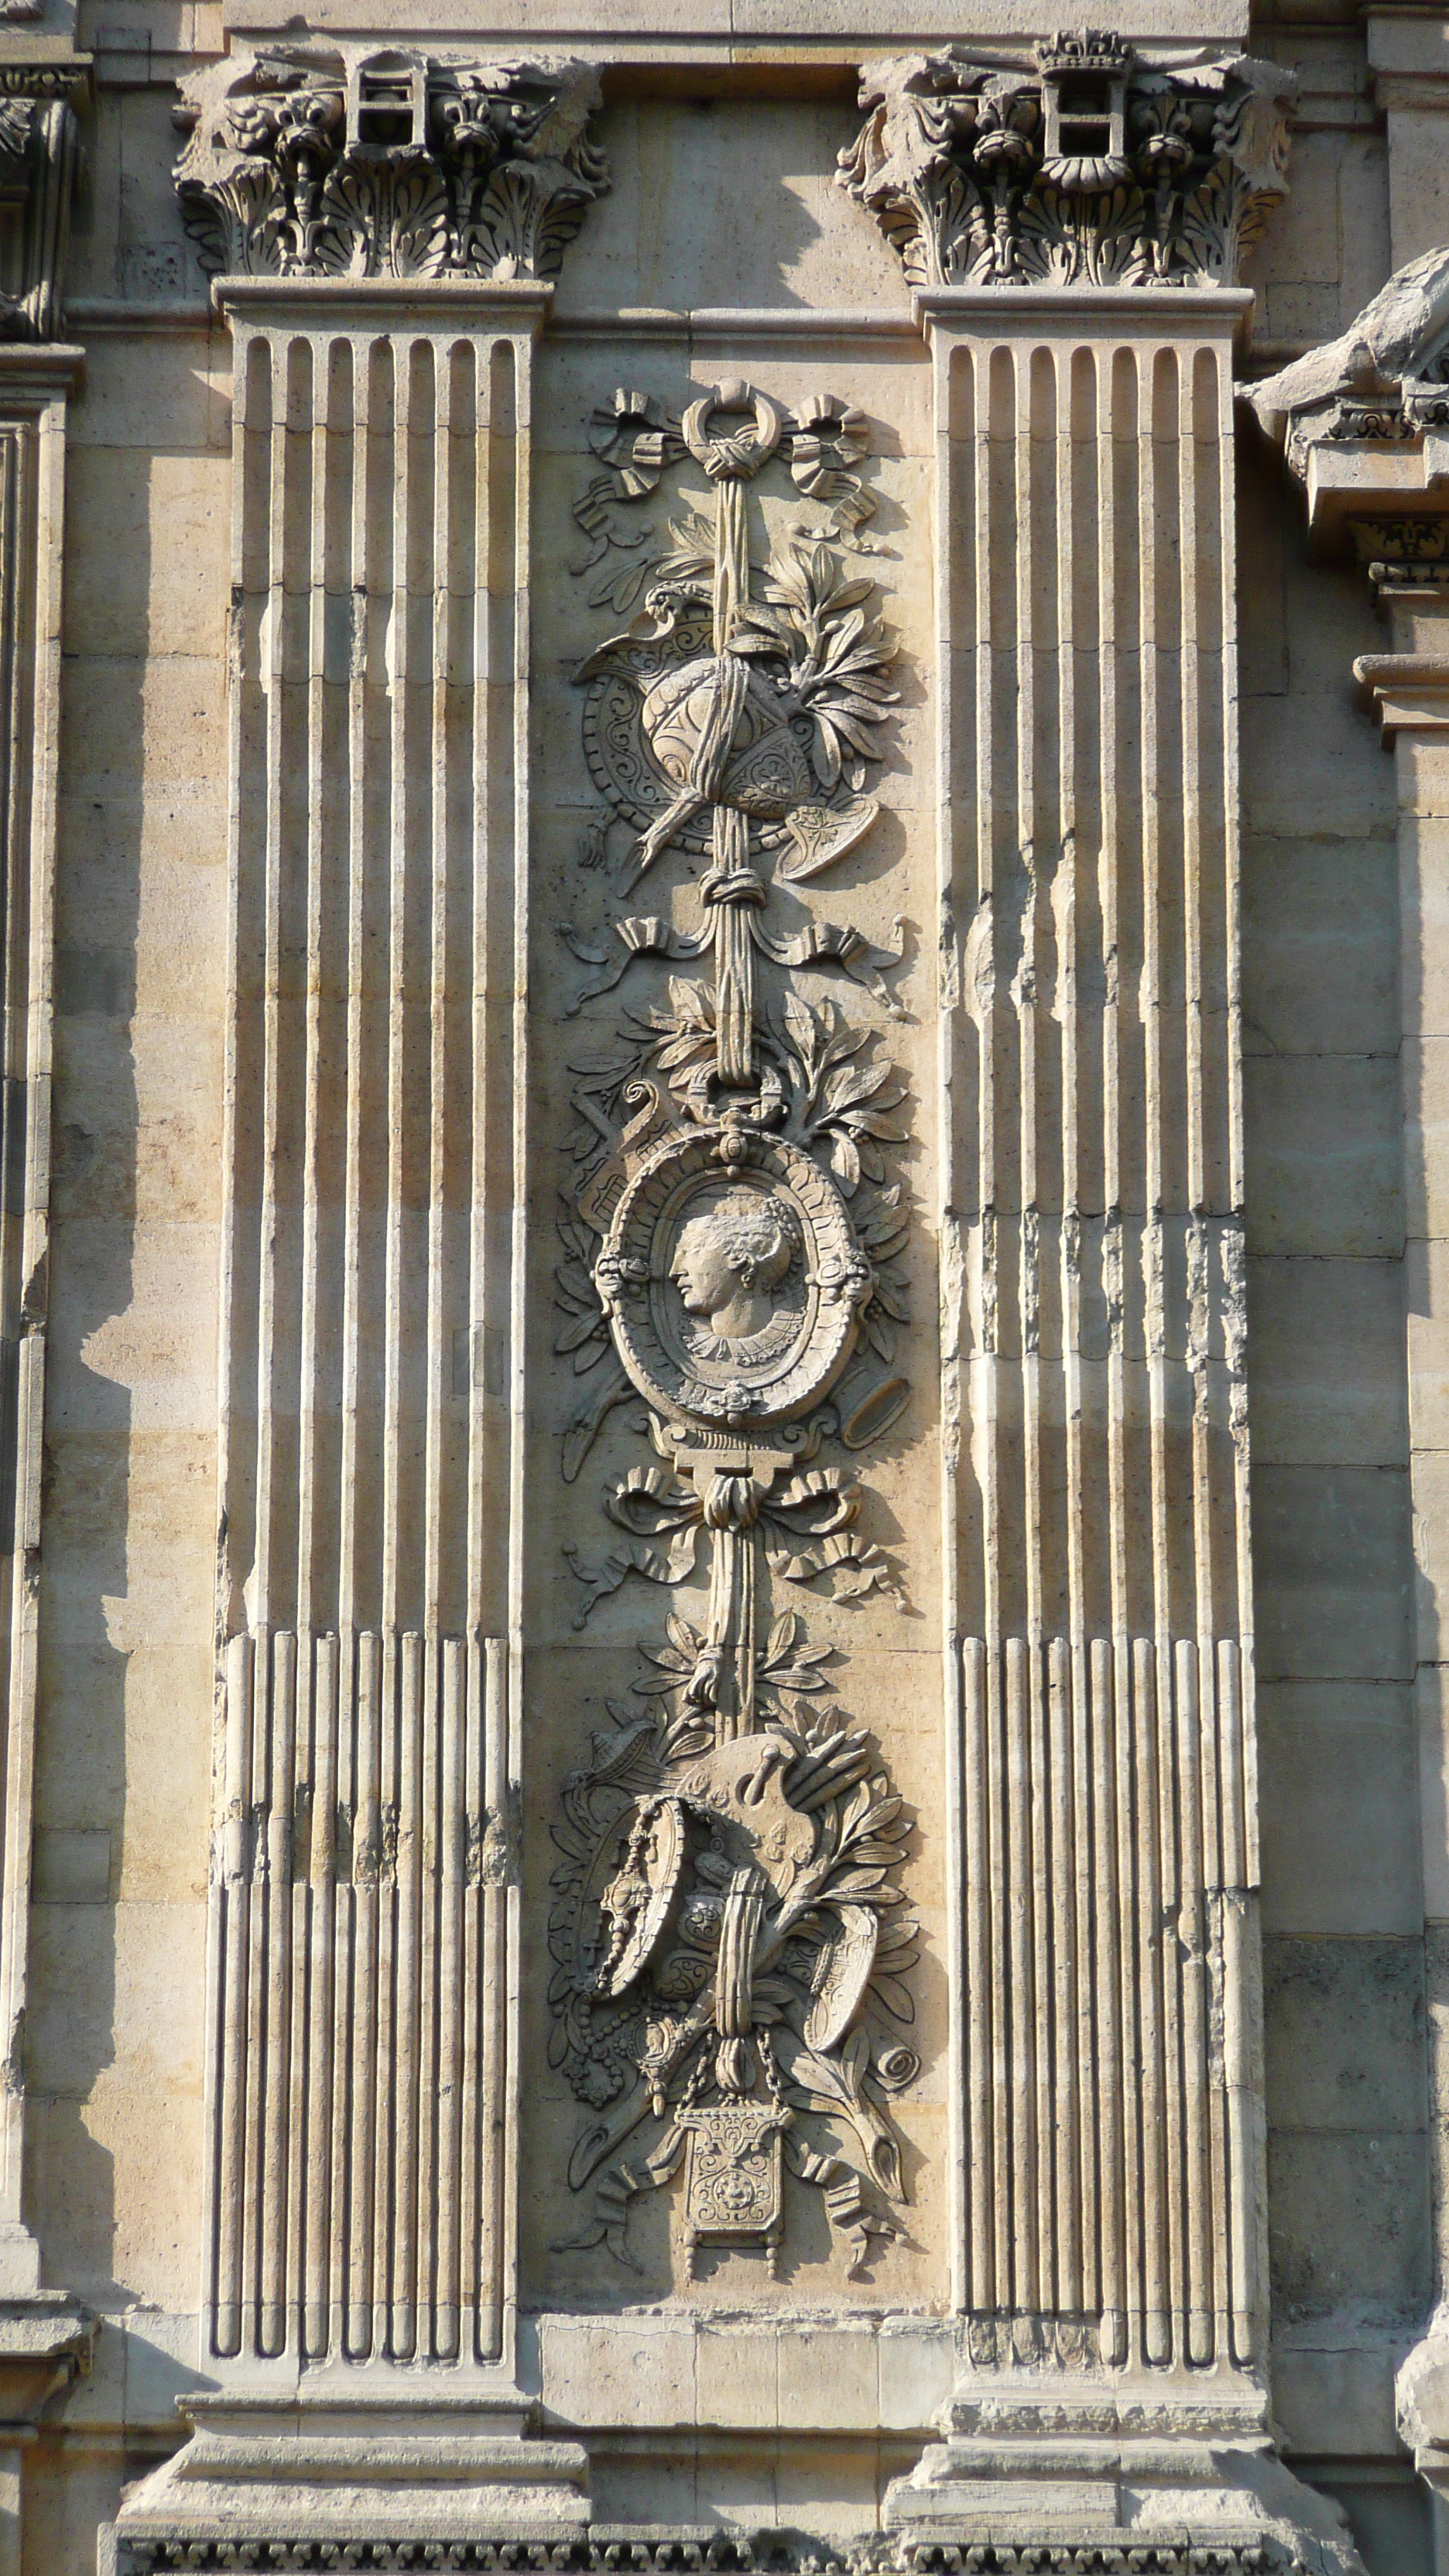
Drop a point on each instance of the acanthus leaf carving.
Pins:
(40, 160)
(729, 1940)
(310, 162)
(1088, 167)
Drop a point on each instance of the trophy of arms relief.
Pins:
(729, 1936)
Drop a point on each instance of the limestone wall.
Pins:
(731, 2390)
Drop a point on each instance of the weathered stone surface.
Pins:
(651, 823)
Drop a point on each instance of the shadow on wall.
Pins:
(1342, 1904)
(756, 219)
(81, 1751)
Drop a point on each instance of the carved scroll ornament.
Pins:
(1091, 168)
(310, 162)
(729, 1938)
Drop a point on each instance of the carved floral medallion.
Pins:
(729, 1937)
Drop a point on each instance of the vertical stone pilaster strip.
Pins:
(34, 384)
(363, 1964)
(1109, 2092)
(1373, 470)
(1409, 688)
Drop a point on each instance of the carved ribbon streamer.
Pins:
(646, 1504)
(820, 1506)
(820, 943)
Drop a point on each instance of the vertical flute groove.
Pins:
(1108, 1806)
(364, 1953)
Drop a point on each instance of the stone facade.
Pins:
(722, 1288)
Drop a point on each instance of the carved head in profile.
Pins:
(731, 1256)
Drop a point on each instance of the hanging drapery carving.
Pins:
(729, 1940)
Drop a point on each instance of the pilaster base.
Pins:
(333, 2464)
(45, 2341)
(1106, 2470)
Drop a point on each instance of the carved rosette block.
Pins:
(1089, 166)
(315, 162)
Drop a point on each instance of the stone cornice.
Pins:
(347, 163)
(386, 303)
(1409, 692)
(1094, 168)
(1363, 423)
(1383, 382)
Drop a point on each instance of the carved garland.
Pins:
(728, 1938)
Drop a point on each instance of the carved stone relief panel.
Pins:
(733, 1996)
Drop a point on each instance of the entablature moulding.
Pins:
(755, 43)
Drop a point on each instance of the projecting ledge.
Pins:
(46, 2340)
(386, 303)
(1409, 692)
(344, 2456)
(1073, 313)
(1218, 2490)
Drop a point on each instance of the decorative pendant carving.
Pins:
(727, 1919)
(315, 161)
(1094, 168)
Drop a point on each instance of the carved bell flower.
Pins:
(1002, 155)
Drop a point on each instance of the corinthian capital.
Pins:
(1086, 167)
(308, 161)
(39, 159)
